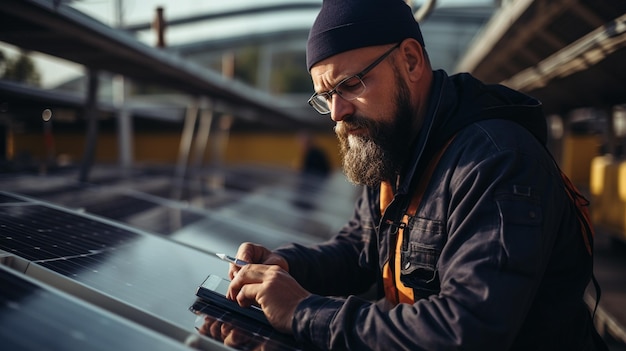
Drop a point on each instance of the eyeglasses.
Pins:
(349, 88)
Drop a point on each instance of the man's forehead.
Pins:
(326, 74)
(346, 63)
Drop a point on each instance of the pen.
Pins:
(231, 259)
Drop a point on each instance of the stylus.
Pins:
(231, 259)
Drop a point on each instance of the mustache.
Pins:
(355, 122)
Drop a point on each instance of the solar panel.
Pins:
(113, 203)
(264, 210)
(159, 215)
(140, 269)
(256, 217)
(8, 199)
(36, 317)
(86, 255)
(40, 233)
(129, 250)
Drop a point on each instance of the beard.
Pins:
(380, 154)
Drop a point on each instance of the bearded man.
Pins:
(466, 229)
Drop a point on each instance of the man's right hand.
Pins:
(253, 253)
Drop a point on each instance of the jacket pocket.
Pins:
(419, 257)
(521, 234)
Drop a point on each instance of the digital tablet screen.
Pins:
(214, 289)
(241, 333)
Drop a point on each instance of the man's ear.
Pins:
(413, 59)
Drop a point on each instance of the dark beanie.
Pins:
(344, 25)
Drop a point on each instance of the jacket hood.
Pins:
(460, 100)
(467, 100)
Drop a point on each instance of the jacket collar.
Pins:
(419, 146)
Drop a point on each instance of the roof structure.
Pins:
(63, 32)
(567, 53)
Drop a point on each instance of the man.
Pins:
(496, 256)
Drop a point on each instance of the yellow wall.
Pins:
(156, 147)
(275, 149)
(608, 194)
(68, 144)
(578, 151)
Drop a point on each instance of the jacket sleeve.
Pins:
(489, 262)
(341, 265)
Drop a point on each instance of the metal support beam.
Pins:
(124, 123)
(184, 149)
(264, 71)
(425, 10)
(91, 115)
(245, 11)
(202, 136)
(580, 56)
(125, 138)
(219, 145)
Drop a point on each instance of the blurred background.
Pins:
(254, 47)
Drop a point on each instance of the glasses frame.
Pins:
(329, 94)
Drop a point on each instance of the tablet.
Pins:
(214, 289)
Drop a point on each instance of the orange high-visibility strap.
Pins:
(582, 214)
(395, 291)
(386, 195)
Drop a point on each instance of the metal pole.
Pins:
(186, 139)
(202, 135)
(91, 116)
(124, 124)
(119, 12)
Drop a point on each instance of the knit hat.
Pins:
(343, 25)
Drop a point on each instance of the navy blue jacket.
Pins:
(495, 254)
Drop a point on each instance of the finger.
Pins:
(233, 270)
(251, 273)
(248, 252)
(247, 295)
(204, 327)
(245, 252)
(234, 337)
(215, 330)
(226, 329)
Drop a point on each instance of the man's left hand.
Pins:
(271, 287)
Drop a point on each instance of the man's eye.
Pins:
(351, 84)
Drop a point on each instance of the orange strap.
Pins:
(583, 212)
(395, 291)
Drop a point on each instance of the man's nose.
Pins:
(340, 108)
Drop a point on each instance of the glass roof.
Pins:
(446, 37)
(201, 31)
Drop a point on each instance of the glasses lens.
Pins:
(320, 104)
(348, 89)
(351, 88)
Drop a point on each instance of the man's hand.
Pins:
(272, 288)
(253, 253)
(230, 335)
